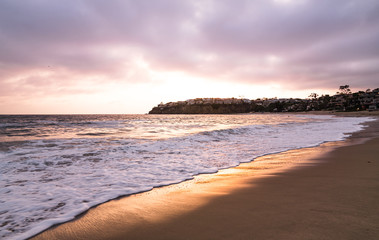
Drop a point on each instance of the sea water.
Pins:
(53, 168)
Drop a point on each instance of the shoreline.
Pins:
(132, 215)
(265, 166)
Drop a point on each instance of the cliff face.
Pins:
(202, 109)
(341, 102)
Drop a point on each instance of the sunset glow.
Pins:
(128, 56)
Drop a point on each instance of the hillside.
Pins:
(358, 101)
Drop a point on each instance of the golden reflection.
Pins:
(117, 217)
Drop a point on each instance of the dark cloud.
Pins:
(40, 32)
(314, 38)
(298, 43)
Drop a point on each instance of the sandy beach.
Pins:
(325, 192)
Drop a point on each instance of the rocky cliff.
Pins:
(202, 109)
(358, 101)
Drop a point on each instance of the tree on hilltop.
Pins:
(344, 89)
(313, 96)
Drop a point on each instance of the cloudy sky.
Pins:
(126, 56)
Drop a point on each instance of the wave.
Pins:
(53, 180)
(94, 134)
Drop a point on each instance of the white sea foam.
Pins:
(51, 179)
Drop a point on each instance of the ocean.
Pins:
(54, 167)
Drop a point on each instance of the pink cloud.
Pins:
(317, 42)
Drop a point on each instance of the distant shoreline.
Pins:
(344, 102)
(365, 113)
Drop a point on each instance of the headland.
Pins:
(342, 102)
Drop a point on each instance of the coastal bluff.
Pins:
(205, 106)
(343, 102)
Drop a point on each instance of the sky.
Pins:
(127, 56)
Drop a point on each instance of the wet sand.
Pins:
(326, 192)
